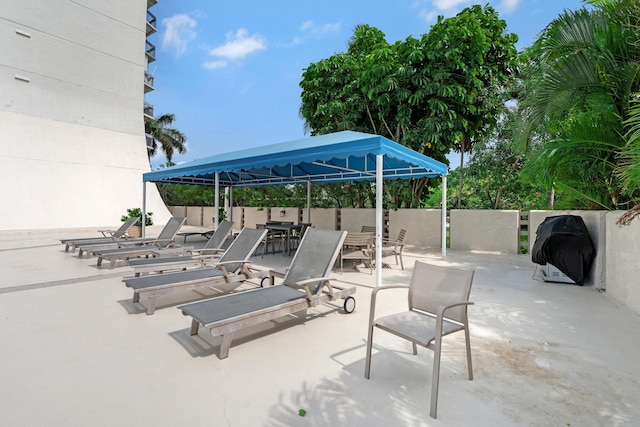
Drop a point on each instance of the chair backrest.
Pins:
(171, 229)
(368, 229)
(401, 235)
(219, 236)
(126, 226)
(433, 285)
(358, 239)
(303, 228)
(315, 257)
(242, 247)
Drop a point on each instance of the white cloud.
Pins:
(239, 45)
(449, 4)
(179, 30)
(212, 65)
(508, 6)
(311, 28)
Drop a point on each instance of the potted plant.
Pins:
(136, 230)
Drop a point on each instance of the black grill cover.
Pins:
(564, 242)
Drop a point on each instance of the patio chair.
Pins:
(368, 229)
(270, 238)
(167, 234)
(394, 247)
(190, 259)
(126, 250)
(232, 269)
(306, 284)
(107, 235)
(357, 247)
(438, 301)
(296, 238)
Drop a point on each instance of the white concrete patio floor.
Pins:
(76, 351)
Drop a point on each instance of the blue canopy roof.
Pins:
(335, 157)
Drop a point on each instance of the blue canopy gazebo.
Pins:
(337, 157)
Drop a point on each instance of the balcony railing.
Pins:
(149, 139)
(148, 82)
(148, 111)
(151, 51)
(151, 23)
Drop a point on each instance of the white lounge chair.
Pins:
(194, 258)
(168, 233)
(306, 284)
(232, 269)
(107, 236)
(126, 250)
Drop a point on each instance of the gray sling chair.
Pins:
(190, 259)
(231, 270)
(306, 284)
(438, 301)
(167, 235)
(107, 236)
(126, 250)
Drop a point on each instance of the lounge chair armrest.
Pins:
(305, 283)
(233, 262)
(207, 252)
(312, 280)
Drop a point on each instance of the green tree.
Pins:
(431, 94)
(167, 138)
(579, 79)
(471, 61)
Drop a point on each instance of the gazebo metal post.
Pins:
(444, 216)
(144, 207)
(379, 183)
(216, 203)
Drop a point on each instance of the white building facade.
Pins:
(73, 74)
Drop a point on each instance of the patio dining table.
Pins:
(286, 230)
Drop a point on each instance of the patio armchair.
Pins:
(357, 247)
(394, 247)
(438, 301)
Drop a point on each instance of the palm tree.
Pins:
(580, 75)
(167, 138)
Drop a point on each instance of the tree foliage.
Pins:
(165, 137)
(432, 94)
(580, 77)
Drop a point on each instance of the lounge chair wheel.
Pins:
(349, 304)
(265, 282)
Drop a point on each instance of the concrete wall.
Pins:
(326, 219)
(208, 212)
(253, 216)
(484, 230)
(354, 219)
(423, 226)
(71, 78)
(622, 266)
(615, 267)
(237, 216)
(284, 214)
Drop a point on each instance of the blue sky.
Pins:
(230, 71)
